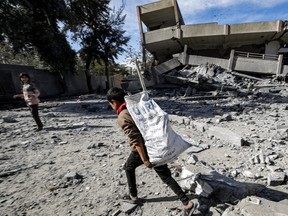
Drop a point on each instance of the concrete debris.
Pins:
(256, 206)
(127, 207)
(187, 179)
(226, 135)
(9, 119)
(212, 76)
(73, 178)
(167, 66)
(276, 178)
(197, 149)
(221, 169)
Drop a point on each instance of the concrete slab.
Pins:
(247, 207)
(167, 34)
(167, 66)
(226, 135)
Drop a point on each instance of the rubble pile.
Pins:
(209, 74)
(237, 165)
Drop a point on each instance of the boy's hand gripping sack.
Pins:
(163, 144)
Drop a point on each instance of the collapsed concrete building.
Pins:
(246, 47)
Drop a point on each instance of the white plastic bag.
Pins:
(163, 144)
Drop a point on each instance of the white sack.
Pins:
(162, 142)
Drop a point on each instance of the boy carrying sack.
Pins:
(138, 155)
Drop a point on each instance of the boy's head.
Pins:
(24, 78)
(115, 97)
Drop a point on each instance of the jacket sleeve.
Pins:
(130, 129)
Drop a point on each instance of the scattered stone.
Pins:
(276, 178)
(197, 149)
(264, 208)
(73, 178)
(248, 174)
(4, 157)
(127, 207)
(117, 212)
(199, 126)
(101, 155)
(226, 135)
(9, 119)
(192, 159)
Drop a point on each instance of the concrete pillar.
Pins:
(231, 60)
(272, 47)
(177, 17)
(185, 56)
(226, 29)
(141, 36)
(279, 65)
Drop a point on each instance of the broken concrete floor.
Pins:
(75, 165)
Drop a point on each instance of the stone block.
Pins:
(276, 178)
(226, 135)
(167, 66)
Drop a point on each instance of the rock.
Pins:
(117, 212)
(276, 178)
(248, 174)
(198, 125)
(4, 157)
(179, 119)
(188, 91)
(9, 119)
(226, 135)
(226, 189)
(226, 117)
(127, 207)
(101, 155)
(192, 159)
(73, 177)
(261, 207)
(197, 149)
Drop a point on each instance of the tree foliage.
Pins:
(99, 30)
(43, 25)
(27, 24)
(29, 58)
(112, 43)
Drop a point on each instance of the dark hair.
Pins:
(24, 74)
(116, 94)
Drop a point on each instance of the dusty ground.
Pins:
(38, 169)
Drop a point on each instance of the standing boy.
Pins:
(139, 156)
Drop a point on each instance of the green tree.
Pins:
(114, 41)
(28, 23)
(86, 24)
(29, 58)
(99, 30)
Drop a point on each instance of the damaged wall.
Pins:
(210, 39)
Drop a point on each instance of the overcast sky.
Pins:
(206, 11)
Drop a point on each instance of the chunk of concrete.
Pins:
(199, 126)
(228, 190)
(128, 207)
(276, 178)
(179, 119)
(167, 66)
(262, 207)
(226, 135)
